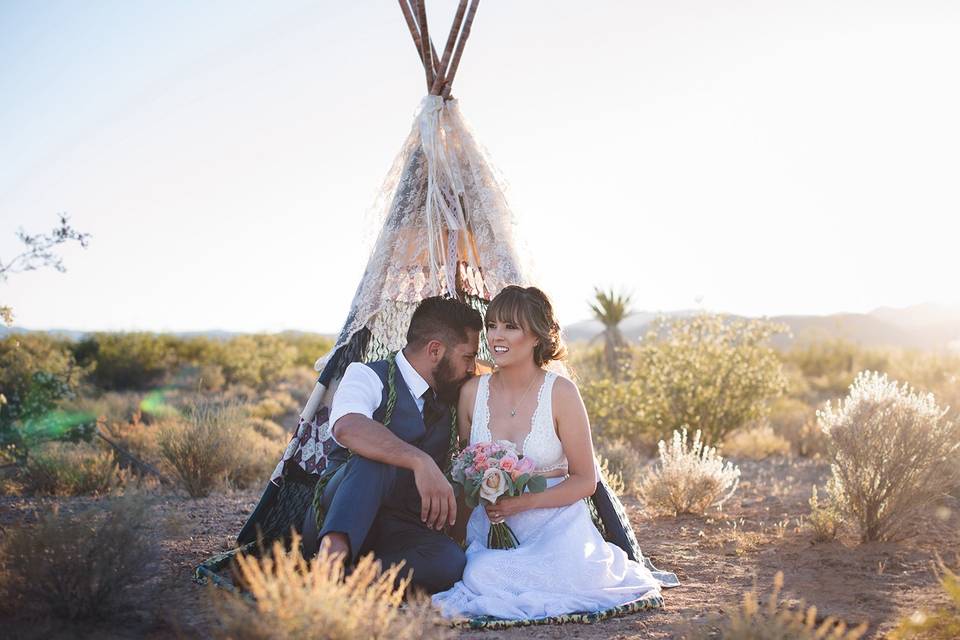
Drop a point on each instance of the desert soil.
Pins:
(717, 558)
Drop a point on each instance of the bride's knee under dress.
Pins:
(561, 566)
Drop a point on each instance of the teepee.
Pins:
(445, 229)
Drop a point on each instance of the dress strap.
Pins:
(479, 428)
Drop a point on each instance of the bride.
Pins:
(562, 564)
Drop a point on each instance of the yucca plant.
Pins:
(611, 309)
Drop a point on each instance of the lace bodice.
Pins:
(541, 444)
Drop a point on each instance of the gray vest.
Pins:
(407, 424)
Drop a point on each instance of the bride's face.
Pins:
(510, 343)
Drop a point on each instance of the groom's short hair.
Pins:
(443, 319)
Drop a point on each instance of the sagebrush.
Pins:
(893, 452)
(688, 479)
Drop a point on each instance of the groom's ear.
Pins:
(435, 350)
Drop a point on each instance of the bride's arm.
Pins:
(468, 395)
(573, 427)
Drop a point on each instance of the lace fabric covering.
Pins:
(445, 227)
(541, 443)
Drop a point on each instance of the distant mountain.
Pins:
(925, 326)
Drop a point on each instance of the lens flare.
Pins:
(155, 403)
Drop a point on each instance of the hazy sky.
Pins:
(752, 157)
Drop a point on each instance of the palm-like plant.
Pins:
(610, 308)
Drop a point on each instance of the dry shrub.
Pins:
(268, 428)
(296, 598)
(275, 404)
(893, 455)
(112, 406)
(943, 624)
(824, 520)
(256, 457)
(77, 567)
(756, 443)
(796, 422)
(137, 437)
(776, 621)
(216, 444)
(620, 460)
(204, 447)
(611, 478)
(68, 469)
(688, 480)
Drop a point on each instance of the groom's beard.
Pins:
(448, 386)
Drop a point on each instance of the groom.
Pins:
(391, 497)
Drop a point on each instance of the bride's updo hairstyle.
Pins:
(530, 309)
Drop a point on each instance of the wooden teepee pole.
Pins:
(426, 46)
(447, 50)
(461, 42)
(412, 25)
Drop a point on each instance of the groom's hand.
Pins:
(438, 504)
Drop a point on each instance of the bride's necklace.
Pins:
(513, 412)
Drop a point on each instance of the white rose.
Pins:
(493, 485)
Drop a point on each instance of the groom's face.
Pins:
(459, 364)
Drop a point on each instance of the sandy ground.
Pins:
(717, 558)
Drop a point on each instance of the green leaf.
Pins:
(537, 484)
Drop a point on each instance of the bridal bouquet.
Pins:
(488, 470)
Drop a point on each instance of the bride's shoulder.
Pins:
(564, 389)
(468, 392)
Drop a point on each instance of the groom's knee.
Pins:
(438, 566)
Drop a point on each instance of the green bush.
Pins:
(258, 361)
(828, 367)
(711, 373)
(309, 346)
(37, 372)
(127, 360)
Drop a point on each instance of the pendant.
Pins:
(513, 414)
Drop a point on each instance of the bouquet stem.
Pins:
(501, 536)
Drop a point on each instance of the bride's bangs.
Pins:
(509, 306)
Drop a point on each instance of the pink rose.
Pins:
(526, 465)
(508, 462)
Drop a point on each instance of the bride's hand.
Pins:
(505, 507)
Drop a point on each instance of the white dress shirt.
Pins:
(361, 391)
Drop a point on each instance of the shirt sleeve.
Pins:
(360, 391)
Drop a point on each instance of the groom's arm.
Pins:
(370, 439)
(354, 428)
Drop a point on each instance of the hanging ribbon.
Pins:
(444, 192)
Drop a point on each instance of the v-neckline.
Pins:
(533, 417)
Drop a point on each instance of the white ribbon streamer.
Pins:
(444, 192)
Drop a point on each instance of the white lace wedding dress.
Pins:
(562, 565)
